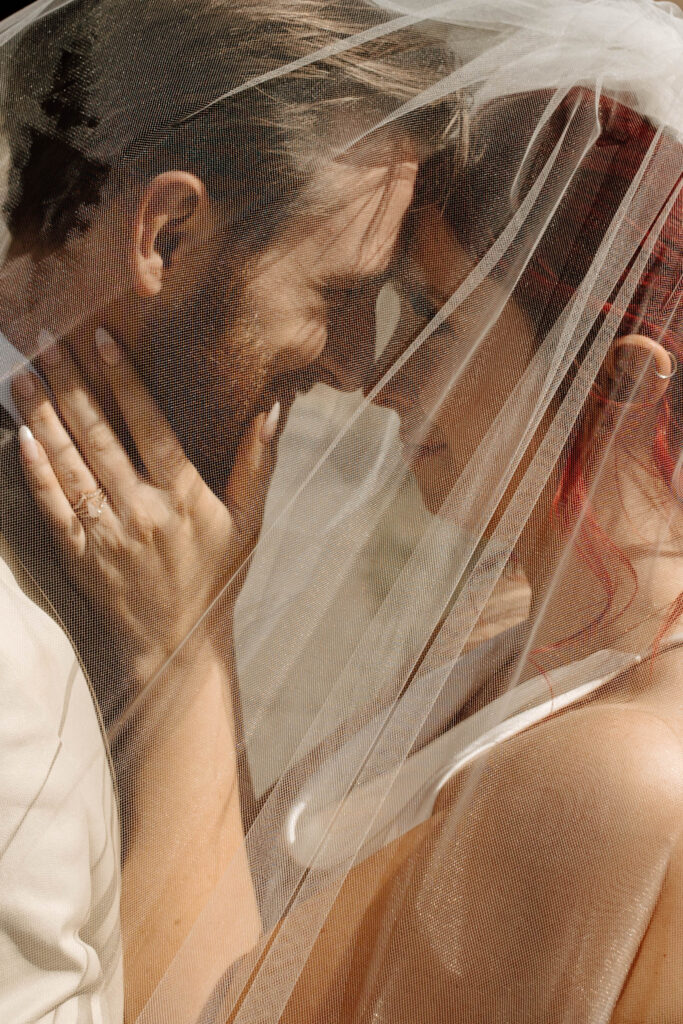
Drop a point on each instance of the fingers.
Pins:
(248, 485)
(94, 442)
(70, 472)
(60, 475)
(156, 442)
(49, 495)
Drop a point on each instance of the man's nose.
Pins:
(395, 393)
(348, 358)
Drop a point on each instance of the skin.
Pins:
(580, 739)
(304, 303)
(167, 544)
(441, 427)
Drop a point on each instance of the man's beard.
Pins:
(207, 368)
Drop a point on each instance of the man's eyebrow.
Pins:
(405, 267)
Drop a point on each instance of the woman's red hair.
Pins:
(483, 202)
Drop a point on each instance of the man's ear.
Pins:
(167, 212)
(642, 364)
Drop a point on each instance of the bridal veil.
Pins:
(387, 647)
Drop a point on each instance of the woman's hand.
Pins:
(155, 551)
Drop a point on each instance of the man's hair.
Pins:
(101, 90)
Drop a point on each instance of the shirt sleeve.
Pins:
(60, 950)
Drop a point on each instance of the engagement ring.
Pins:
(90, 504)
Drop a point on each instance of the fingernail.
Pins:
(270, 424)
(107, 347)
(28, 443)
(23, 386)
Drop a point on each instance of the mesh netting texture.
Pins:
(341, 548)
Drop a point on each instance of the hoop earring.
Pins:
(674, 367)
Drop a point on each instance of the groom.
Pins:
(171, 184)
(235, 255)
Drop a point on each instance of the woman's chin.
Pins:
(436, 476)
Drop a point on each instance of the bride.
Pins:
(577, 812)
(535, 373)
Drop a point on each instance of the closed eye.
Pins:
(426, 310)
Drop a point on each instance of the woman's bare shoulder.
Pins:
(608, 778)
(607, 774)
(638, 751)
(563, 848)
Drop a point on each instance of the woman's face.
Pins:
(451, 389)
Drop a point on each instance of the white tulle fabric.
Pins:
(385, 655)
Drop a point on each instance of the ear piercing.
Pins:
(674, 367)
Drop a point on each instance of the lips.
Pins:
(427, 450)
(415, 449)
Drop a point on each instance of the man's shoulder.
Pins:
(34, 651)
(44, 699)
(59, 880)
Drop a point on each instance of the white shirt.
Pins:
(60, 944)
(11, 360)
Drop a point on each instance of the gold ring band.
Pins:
(90, 505)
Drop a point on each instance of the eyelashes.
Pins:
(421, 304)
(427, 310)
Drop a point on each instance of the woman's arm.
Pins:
(533, 885)
(577, 827)
(653, 993)
(187, 835)
(161, 558)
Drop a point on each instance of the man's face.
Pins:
(230, 335)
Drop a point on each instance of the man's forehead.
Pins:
(352, 232)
